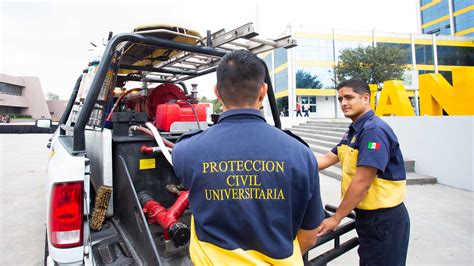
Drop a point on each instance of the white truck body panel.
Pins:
(99, 151)
(64, 167)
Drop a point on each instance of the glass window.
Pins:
(314, 49)
(281, 81)
(325, 75)
(6, 88)
(424, 2)
(434, 12)
(10, 110)
(310, 100)
(282, 104)
(403, 46)
(464, 21)
(341, 45)
(460, 4)
(268, 61)
(455, 55)
(424, 54)
(443, 28)
(281, 57)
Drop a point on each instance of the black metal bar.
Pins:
(79, 144)
(208, 38)
(127, 78)
(70, 104)
(326, 257)
(159, 70)
(271, 97)
(333, 209)
(340, 230)
(337, 242)
(202, 73)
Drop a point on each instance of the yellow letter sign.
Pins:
(436, 94)
(394, 100)
(373, 92)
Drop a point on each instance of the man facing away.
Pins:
(373, 180)
(253, 189)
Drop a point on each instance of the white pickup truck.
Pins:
(112, 196)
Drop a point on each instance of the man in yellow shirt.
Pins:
(373, 180)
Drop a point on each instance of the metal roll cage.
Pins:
(217, 46)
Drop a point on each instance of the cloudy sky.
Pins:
(51, 39)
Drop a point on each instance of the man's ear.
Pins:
(263, 92)
(367, 98)
(216, 92)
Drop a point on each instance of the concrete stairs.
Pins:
(323, 134)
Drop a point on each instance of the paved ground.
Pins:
(22, 211)
(442, 218)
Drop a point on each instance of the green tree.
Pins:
(372, 64)
(305, 80)
(52, 96)
(217, 106)
(203, 99)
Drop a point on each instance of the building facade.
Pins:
(318, 52)
(447, 17)
(56, 108)
(22, 96)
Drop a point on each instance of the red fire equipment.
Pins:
(163, 93)
(167, 114)
(168, 218)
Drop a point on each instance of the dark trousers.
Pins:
(383, 236)
(298, 113)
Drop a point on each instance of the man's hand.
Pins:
(355, 193)
(327, 225)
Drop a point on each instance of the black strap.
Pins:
(189, 134)
(295, 136)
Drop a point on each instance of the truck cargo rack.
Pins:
(192, 60)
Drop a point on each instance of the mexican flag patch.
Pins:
(373, 146)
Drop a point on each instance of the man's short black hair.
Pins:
(240, 75)
(359, 86)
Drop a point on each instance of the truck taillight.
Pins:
(66, 215)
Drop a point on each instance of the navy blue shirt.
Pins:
(252, 186)
(377, 145)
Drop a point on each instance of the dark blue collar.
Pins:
(247, 112)
(357, 125)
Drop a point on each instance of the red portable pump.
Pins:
(167, 104)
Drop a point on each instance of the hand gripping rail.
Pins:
(335, 235)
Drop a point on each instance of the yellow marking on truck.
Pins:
(147, 164)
